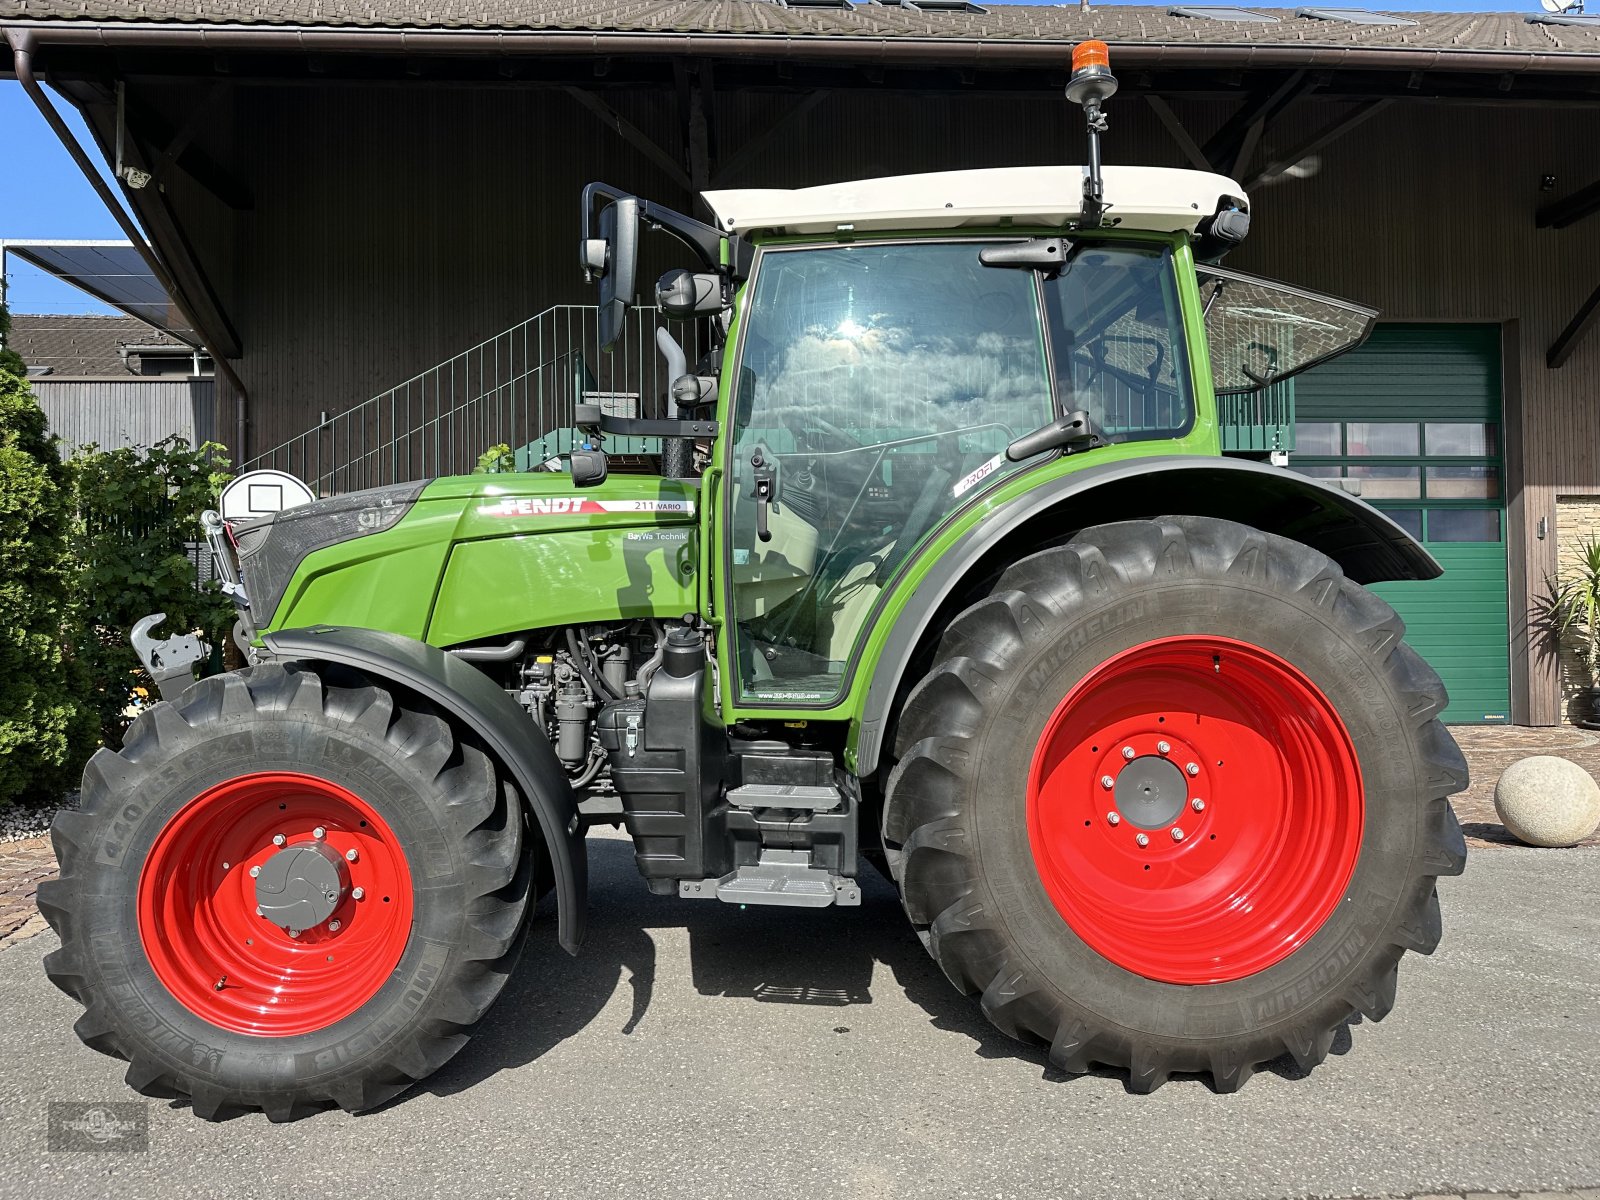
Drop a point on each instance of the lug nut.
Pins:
(357, 893)
(294, 933)
(350, 854)
(1142, 840)
(278, 839)
(259, 913)
(1193, 768)
(333, 926)
(1107, 782)
(1197, 804)
(319, 833)
(1163, 747)
(1127, 752)
(1177, 834)
(254, 871)
(1113, 818)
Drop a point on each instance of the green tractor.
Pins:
(946, 570)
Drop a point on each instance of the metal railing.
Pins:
(517, 389)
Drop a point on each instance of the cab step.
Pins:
(814, 798)
(781, 877)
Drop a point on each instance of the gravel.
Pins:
(19, 822)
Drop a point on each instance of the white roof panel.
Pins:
(1157, 198)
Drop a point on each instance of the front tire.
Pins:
(288, 890)
(1172, 798)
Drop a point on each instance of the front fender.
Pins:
(472, 698)
(1367, 545)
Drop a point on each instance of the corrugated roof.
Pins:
(1023, 22)
(78, 345)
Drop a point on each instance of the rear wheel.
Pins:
(1173, 799)
(287, 891)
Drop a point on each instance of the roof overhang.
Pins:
(964, 51)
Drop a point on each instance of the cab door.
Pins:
(878, 386)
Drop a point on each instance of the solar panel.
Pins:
(1208, 12)
(110, 271)
(816, 3)
(1352, 16)
(943, 6)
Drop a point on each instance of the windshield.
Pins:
(1261, 331)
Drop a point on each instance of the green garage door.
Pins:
(1414, 416)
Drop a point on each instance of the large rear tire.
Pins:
(288, 890)
(1172, 798)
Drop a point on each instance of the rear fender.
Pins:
(472, 698)
(1367, 545)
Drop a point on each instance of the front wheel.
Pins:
(1172, 798)
(288, 890)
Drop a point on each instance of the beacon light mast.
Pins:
(1091, 85)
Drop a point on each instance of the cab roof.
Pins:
(1155, 198)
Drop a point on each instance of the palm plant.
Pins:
(1575, 607)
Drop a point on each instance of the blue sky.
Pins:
(43, 195)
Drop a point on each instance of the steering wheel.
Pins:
(818, 435)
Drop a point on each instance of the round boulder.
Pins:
(1548, 801)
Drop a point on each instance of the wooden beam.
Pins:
(1582, 321)
(1191, 148)
(752, 149)
(633, 135)
(1327, 135)
(1247, 148)
(196, 297)
(1558, 214)
(1226, 143)
(155, 130)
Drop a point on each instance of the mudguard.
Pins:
(477, 702)
(1367, 545)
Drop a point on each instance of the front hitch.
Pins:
(170, 661)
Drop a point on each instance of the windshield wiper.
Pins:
(1073, 433)
(1035, 254)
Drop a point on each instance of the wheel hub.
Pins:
(1150, 792)
(302, 885)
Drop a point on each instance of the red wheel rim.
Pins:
(1221, 888)
(236, 969)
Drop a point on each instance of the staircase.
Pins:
(517, 389)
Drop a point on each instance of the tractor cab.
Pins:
(895, 352)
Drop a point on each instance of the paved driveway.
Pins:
(694, 1050)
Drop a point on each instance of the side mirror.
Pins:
(618, 258)
(685, 294)
(692, 391)
(589, 466)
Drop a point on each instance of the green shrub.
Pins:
(139, 511)
(44, 731)
(496, 459)
(10, 360)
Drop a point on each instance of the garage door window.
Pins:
(1440, 480)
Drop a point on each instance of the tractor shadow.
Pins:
(822, 958)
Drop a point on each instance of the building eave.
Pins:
(839, 48)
